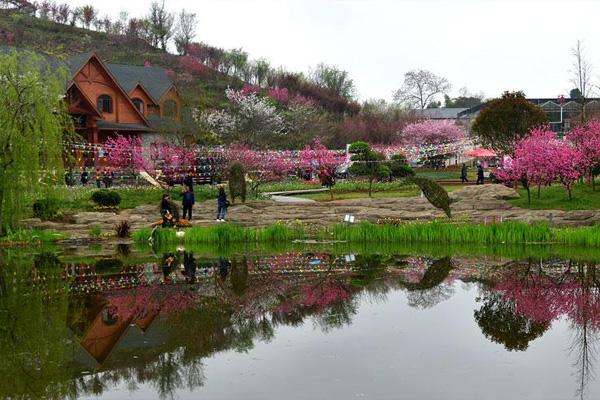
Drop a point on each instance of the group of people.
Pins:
(480, 174)
(168, 210)
(104, 177)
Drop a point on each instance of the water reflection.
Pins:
(75, 328)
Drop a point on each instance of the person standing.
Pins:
(187, 203)
(463, 173)
(480, 176)
(189, 182)
(222, 205)
(98, 178)
(85, 177)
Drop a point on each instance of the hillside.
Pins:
(61, 41)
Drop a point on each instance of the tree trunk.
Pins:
(2, 233)
(569, 190)
(528, 196)
(370, 186)
(539, 190)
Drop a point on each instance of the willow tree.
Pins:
(33, 120)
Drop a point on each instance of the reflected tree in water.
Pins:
(500, 323)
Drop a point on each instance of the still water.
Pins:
(301, 323)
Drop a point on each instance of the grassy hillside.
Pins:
(205, 90)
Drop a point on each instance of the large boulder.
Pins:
(484, 192)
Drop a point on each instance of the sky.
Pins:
(486, 46)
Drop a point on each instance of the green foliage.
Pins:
(399, 167)
(95, 231)
(106, 198)
(553, 198)
(237, 181)
(33, 236)
(33, 121)
(367, 163)
(46, 209)
(434, 193)
(506, 119)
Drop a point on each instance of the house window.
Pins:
(138, 103)
(105, 104)
(170, 109)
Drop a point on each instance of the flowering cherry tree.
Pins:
(587, 140)
(541, 158)
(432, 132)
(126, 152)
(321, 161)
(261, 166)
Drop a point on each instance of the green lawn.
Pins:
(556, 197)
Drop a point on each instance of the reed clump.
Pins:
(437, 232)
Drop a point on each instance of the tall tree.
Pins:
(88, 15)
(581, 75)
(334, 79)
(33, 122)
(505, 120)
(420, 88)
(185, 31)
(160, 24)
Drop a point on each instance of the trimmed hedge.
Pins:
(237, 181)
(434, 193)
(106, 198)
(46, 208)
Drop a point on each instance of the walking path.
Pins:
(480, 204)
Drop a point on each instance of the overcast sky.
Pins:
(487, 46)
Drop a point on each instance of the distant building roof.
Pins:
(440, 113)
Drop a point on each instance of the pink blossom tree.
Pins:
(541, 158)
(322, 162)
(432, 132)
(586, 140)
(126, 152)
(261, 166)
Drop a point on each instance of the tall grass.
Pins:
(442, 232)
(223, 234)
(436, 232)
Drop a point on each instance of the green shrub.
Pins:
(237, 181)
(434, 193)
(46, 208)
(399, 167)
(95, 231)
(106, 198)
(108, 264)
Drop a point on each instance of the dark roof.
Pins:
(440, 113)
(105, 125)
(154, 79)
(537, 101)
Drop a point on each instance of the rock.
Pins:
(490, 191)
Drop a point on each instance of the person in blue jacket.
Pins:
(187, 203)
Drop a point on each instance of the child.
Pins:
(222, 205)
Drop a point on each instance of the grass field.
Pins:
(556, 197)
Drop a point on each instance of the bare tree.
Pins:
(420, 88)
(185, 31)
(62, 13)
(581, 73)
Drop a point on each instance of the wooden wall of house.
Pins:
(95, 82)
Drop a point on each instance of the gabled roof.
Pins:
(76, 63)
(154, 80)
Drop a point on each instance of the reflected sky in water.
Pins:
(372, 326)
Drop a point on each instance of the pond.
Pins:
(299, 322)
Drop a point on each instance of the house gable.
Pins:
(169, 100)
(139, 92)
(94, 79)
